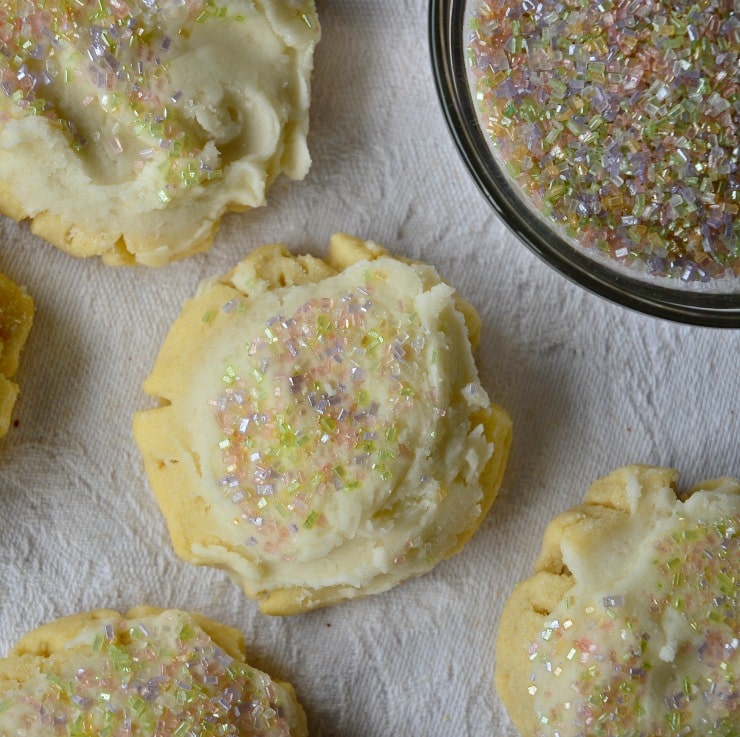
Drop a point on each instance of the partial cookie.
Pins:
(322, 433)
(16, 316)
(629, 624)
(128, 128)
(149, 672)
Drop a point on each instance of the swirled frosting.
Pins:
(160, 674)
(323, 435)
(647, 640)
(127, 127)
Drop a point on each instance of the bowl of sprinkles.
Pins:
(606, 134)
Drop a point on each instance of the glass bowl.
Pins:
(714, 303)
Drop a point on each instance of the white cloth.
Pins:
(590, 386)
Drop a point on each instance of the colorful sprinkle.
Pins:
(315, 406)
(673, 643)
(620, 120)
(120, 51)
(115, 56)
(159, 677)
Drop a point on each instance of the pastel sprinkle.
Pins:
(620, 121)
(121, 53)
(165, 678)
(314, 407)
(607, 653)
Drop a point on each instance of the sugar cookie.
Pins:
(150, 672)
(322, 433)
(128, 127)
(16, 316)
(629, 624)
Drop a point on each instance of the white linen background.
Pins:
(590, 386)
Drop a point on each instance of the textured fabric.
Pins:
(590, 386)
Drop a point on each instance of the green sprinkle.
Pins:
(323, 325)
(328, 425)
(373, 339)
(60, 683)
(594, 148)
(138, 705)
(182, 729)
(311, 520)
(120, 658)
(187, 633)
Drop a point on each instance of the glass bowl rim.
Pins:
(446, 33)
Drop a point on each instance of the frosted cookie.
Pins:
(629, 624)
(127, 128)
(150, 672)
(16, 316)
(322, 433)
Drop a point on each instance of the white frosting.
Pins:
(127, 676)
(647, 638)
(155, 139)
(332, 423)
